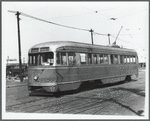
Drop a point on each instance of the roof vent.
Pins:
(115, 46)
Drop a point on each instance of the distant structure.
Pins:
(13, 70)
(142, 61)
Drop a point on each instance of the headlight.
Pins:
(36, 77)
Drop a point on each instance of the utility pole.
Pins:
(109, 38)
(20, 64)
(91, 35)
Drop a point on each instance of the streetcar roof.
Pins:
(69, 45)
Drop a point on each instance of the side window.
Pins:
(89, 58)
(125, 60)
(131, 59)
(101, 58)
(128, 59)
(115, 59)
(61, 58)
(121, 59)
(83, 58)
(77, 58)
(95, 58)
(105, 59)
(111, 59)
(134, 59)
(58, 58)
(71, 58)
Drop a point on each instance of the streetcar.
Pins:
(58, 66)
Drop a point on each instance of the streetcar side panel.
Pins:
(68, 78)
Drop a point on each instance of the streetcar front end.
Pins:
(41, 70)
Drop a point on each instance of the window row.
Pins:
(72, 58)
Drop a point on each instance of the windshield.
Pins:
(44, 59)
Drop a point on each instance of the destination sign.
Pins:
(33, 50)
(44, 49)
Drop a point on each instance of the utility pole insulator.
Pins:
(91, 35)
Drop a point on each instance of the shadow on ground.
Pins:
(84, 87)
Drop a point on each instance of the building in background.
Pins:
(12, 70)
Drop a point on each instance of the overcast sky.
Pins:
(133, 16)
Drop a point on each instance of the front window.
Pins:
(43, 59)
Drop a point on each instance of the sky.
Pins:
(132, 16)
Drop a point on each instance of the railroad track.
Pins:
(85, 102)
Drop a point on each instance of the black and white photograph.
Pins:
(75, 60)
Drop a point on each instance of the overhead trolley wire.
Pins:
(119, 38)
(100, 34)
(26, 15)
(52, 22)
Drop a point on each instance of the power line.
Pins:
(26, 15)
(119, 38)
(43, 30)
(100, 34)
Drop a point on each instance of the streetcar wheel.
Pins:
(57, 94)
(128, 79)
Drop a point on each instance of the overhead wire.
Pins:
(121, 39)
(26, 15)
(43, 30)
(52, 22)
(100, 34)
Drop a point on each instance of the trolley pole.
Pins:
(109, 38)
(91, 35)
(118, 35)
(20, 64)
